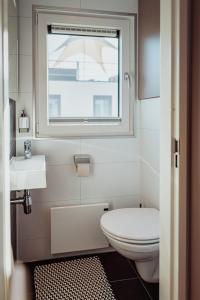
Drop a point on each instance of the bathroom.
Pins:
(97, 199)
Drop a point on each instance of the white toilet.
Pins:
(134, 233)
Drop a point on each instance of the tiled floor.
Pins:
(124, 280)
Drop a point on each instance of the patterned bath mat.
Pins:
(79, 279)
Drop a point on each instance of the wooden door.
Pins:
(194, 197)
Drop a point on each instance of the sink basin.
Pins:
(27, 174)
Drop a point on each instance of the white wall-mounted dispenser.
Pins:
(23, 122)
(82, 163)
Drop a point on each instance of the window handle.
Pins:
(127, 77)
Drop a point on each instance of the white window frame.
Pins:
(124, 125)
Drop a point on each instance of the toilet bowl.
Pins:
(134, 233)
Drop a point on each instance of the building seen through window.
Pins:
(84, 72)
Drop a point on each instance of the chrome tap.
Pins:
(25, 200)
(27, 149)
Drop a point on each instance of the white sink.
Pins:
(28, 174)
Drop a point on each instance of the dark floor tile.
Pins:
(129, 290)
(116, 266)
(153, 289)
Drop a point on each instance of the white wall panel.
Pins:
(111, 180)
(150, 114)
(62, 184)
(33, 249)
(150, 181)
(129, 6)
(25, 74)
(58, 152)
(116, 202)
(25, 36)
(13, 73)
(150, 147)
(12, 8)
(111, 150)
(13, 35)
(25, 6)
(150, 151)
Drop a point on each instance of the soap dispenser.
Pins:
(23, 122)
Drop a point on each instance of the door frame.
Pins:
(5, 241)
(174, 125)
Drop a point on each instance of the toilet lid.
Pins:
(140, 224)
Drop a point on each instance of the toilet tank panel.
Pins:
(77, 228)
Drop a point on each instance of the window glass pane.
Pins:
(103, 106)
(54, 106)
(83, 70)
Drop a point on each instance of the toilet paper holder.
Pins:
(82, 159)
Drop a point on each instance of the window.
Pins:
(54, 106)
(84, 75)
(81, 66)
(102, 106)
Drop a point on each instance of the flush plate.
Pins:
(28, 174)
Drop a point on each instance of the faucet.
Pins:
(27, 149)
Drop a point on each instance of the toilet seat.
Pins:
(142, 250)
(131, 241)
(137, 226)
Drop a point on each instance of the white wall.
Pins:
(115, 173)
(149, 151)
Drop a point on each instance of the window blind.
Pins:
(77, 30)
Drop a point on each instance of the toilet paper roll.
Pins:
(83, 170)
